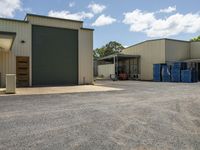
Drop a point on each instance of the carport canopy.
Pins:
(117, 57)
(6, 40)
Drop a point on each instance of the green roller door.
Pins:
(54, 56)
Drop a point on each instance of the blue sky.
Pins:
(125, 21)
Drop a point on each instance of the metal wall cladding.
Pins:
(7, 66)
(166, 73)
(7, 59)
(189, 76)
(51, 22)
(151, 52)
(194, 50)
(23, 33)
(85, 56)
(176, 50)
(106, 70)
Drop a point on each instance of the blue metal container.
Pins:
(186, 76)
(166, 73)
(175, 75)
(189, 76)
(179, 65)
(176, 71)
(194, 76)
(157, 72)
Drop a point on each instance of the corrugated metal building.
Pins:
(147, 53)
(162, 51)
(44, 50)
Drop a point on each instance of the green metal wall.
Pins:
(54, 56)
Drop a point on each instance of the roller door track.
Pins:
(54, 56)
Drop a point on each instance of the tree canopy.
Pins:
(195, 39)
(110, 48)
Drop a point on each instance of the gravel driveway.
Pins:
(144, 115)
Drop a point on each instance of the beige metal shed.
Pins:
(162, 51)
(26, 57)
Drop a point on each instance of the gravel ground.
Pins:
(145, 115)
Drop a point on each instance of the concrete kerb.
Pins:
(62, 90)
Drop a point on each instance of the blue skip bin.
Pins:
(179, 65)
(166, 74)
(189, 76)
(157, 72)
(176, 71)
(176, 75)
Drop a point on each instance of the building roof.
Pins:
(192, 60)
(16, 20)
(120, 55)
(157, 40)
(35, 15)
(48, 17)
(87, 29)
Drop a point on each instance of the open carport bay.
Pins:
(145, 115)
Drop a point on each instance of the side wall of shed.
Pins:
(85, 57)
(176, 50)
(106, 70)
(8, 59)
(150, 52)
(195, 50)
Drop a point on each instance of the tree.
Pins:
(195, 39)
(112, 47)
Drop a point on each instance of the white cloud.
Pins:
(170, 9)
(27, 10)
(67, 15)
(8, 7)
(139, 20)
(96, 8)
(104, 20)
(175, 24)
(72, 4)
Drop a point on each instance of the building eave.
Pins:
(48, 17)
(157, 40)
(87, 29)
(15, 20)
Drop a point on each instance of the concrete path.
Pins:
(63, 89)
(2, 91)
